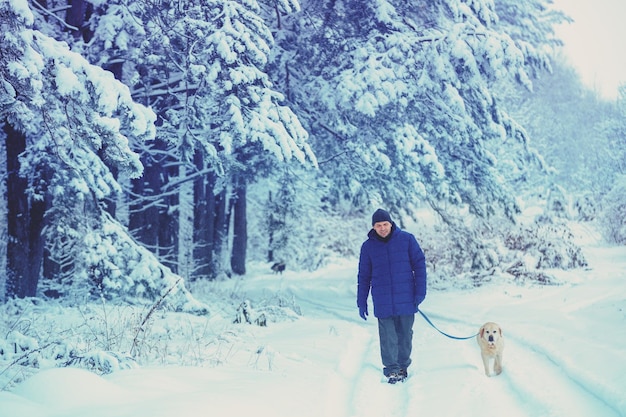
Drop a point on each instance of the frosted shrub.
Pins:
(297, 228)
(542, 245)
(19, 348)
(524, 273)
(586, 207)
(460, 256)
(558, 202)
(273, 309)
(246, 314)
(102, 362)
(612, 218)
(102, 338)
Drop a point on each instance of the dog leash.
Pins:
(445, 334)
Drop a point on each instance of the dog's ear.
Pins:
(500, 330)
(482, 331)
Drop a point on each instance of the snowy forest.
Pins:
(151, 145)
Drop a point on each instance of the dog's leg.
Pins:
(486, 364)
(497, 366)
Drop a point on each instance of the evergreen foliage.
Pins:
(613, 214)
(398, 99)
(291, 119)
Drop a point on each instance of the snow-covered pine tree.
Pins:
(531, 24)
(400, 104)
(77, 121)
(615, 129)
(612, 217)
(233, 122)
(200, 66)
(398, 99)
(562, 117)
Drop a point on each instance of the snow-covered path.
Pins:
(565, 356)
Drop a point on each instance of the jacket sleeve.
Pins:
(418, 264)
(364, 278)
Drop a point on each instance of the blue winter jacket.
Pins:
(394, 271)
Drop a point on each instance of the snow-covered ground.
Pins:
(565, 356)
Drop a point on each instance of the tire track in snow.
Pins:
(449, 381)
(358, 387)
(340, 387)
(343, 312)
(533, 381)
(555, 389)
(373, 396)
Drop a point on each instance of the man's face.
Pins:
(382, 229)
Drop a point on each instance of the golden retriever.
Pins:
(491, 342)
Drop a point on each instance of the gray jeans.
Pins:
(396, 342)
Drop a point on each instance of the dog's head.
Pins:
(491, 333)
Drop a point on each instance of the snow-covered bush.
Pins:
(299, 229)
(102, 362)
(278, 307)
(612, 218)
(20, 349)
(246, 314)
(460, 255)
(586, 207)
(267, 311)
(470, 255)
(39, 335)
(544, 244)
(104, 337)
(525, 273)
(558, 202)
(116, 267)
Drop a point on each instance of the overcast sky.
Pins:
(595, 42)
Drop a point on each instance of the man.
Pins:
(393, 267)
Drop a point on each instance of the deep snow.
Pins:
(565, 356)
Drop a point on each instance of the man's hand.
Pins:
(418, 301)
(363, 312)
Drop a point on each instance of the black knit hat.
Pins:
(380, 215)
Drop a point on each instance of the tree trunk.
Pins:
(203, 222)
(270, 232)
(167, 250)
(143, 213)
(220, 231)
(153, 214)
(240, 233)
(25, 221)
(77, 15)
(168, 221)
